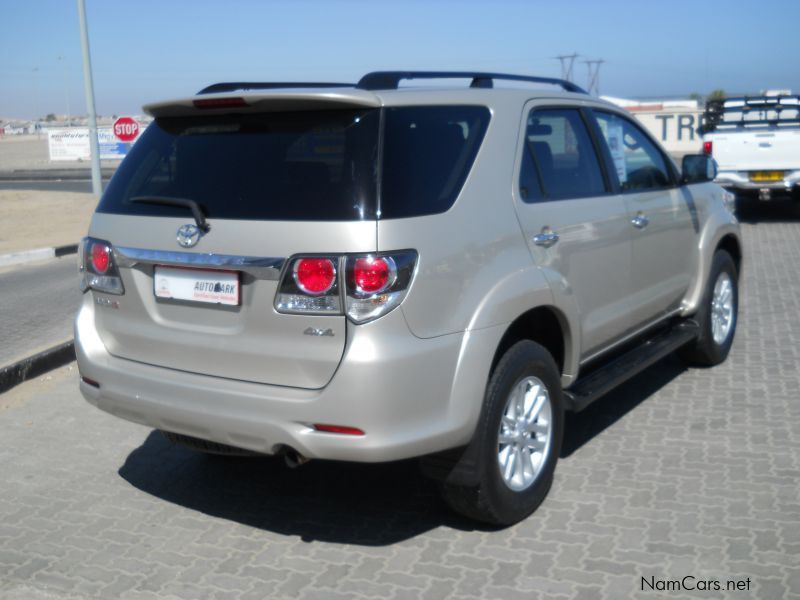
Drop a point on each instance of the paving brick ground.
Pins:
(679, 473)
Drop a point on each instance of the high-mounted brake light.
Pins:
(97, 269)
(708, 147)
(220, 103)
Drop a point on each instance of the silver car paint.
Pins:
(414, 379)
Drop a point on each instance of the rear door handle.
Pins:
(640, 221)
(546, 239)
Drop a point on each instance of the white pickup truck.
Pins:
(756, 143)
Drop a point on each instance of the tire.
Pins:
(504, 500)
(205, 446)
(706, 350)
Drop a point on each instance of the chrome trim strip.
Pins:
(268, 268)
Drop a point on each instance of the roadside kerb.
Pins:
(36, 365)
(26, 256)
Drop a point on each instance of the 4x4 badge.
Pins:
(188, 235)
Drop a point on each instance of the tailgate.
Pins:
(249, 341)
(271, 185)
(757, 150)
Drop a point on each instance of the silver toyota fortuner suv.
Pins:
(374, 272)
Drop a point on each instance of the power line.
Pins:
(593, 78)
(567, 61)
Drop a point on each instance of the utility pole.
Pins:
(593, 67)
(97, 184)
(567, 60)
(66, 87)
(37, 116)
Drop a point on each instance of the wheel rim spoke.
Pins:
(524, 434)
(722, 309)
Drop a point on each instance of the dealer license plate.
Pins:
(197, 285)
(766, 176)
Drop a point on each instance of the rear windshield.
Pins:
(309, 165)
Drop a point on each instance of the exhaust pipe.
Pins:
(294, 459)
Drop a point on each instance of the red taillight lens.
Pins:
(314, 275)
(708, 147)
(338, 429)
(101, 258)
(373, 275)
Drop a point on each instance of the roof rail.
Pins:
(390, 80)
(266, 85)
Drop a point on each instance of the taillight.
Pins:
(708, 147)
(373, 274)
(310, 286)
(363, 287)
(314, 276)
(97, 269)
(101, 257)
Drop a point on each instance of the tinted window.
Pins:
(285, 166)
(428, 153)
(530, 190)
(638, 163)
(310, 165)
(564, 154)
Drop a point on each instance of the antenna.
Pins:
(567, 60)
(593, 68)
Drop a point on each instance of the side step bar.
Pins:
(601, 381)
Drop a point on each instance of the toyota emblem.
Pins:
(188, 235)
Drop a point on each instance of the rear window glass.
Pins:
(310, 165)
(284, 166)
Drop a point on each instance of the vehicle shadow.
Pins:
(752, 211)
(347, 503)
(582, 427)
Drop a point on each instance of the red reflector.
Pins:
(219, 103)
(372, 275)
(314, 275)
(90, 382)
(101, 258)
(338, 429)
(708, 147)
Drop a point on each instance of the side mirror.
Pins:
(698, 168)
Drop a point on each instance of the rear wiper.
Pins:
(197, 212)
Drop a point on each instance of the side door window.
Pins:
(638, 163)
(559, 160)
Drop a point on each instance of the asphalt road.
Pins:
(37, 304)
(50, 185)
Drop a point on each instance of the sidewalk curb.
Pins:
(26, 256)
(36, 365)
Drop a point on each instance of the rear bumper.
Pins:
(740, 180)
(397, 388)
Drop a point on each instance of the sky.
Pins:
(149, 50)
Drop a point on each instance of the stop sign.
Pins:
(126, 129)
